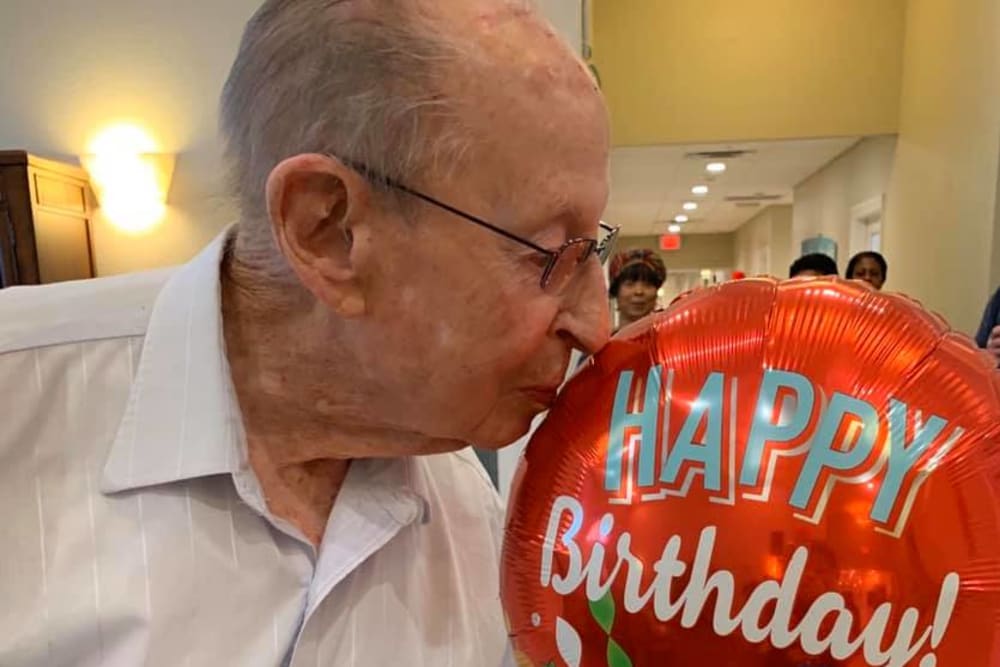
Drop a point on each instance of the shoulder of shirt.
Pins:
(72, 312)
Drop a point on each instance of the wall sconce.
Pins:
(131, 181)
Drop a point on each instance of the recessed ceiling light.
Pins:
(674, 228)
(716, 167)
(700, 190)
(681, 218)
(690, 206)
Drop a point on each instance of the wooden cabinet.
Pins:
(45, 218)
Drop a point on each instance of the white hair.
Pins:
(357, 79)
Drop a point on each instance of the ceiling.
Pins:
(650, 184)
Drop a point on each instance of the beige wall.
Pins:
(82, 65)
(698, 251)
(941, 216)
(71, 67)
(763, 245)
(689, 71)
(823, 202)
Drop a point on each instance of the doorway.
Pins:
(866, 226)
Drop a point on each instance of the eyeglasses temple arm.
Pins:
(471, 218)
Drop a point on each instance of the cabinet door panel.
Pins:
(63, 245)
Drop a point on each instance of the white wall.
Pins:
(942, 216)
(70, 67)
(823, 201)
(763, 245)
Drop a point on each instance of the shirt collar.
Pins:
(182, 419)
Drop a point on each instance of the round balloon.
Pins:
(765, 474)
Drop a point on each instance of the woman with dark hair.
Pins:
(636, 277)
(870, 267)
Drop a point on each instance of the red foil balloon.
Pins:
(766, 474)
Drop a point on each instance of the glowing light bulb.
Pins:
(130, 178)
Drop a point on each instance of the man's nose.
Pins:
(584, 318)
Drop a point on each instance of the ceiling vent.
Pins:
(757, 198)
(719, 155)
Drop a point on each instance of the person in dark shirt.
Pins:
(988, 337)
(812, 266)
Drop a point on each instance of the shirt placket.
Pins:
(363, 521)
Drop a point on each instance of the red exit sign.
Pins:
(670, 242)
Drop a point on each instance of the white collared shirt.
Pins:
(134, 532)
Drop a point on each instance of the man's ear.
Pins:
(317, 207)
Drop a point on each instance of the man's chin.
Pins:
(507, 430)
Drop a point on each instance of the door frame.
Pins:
(862, 215)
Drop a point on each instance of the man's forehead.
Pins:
(492, 14)
(552, 148)
(509, 35)
(535, 88)
(510, 56)
(565, 207)
(537, 118)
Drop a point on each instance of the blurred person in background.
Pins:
(636, 278)
(813, 265)
(988, 337)
(870, 267)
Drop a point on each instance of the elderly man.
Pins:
(260, 458)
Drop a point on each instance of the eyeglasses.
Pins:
(561, 264)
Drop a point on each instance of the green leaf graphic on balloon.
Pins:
(603, 611)
(617, 656)
(571, 647)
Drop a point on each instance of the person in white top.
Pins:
(259, 458)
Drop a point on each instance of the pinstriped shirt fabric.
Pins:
(136, 534)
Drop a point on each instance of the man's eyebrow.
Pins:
(566, 212)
